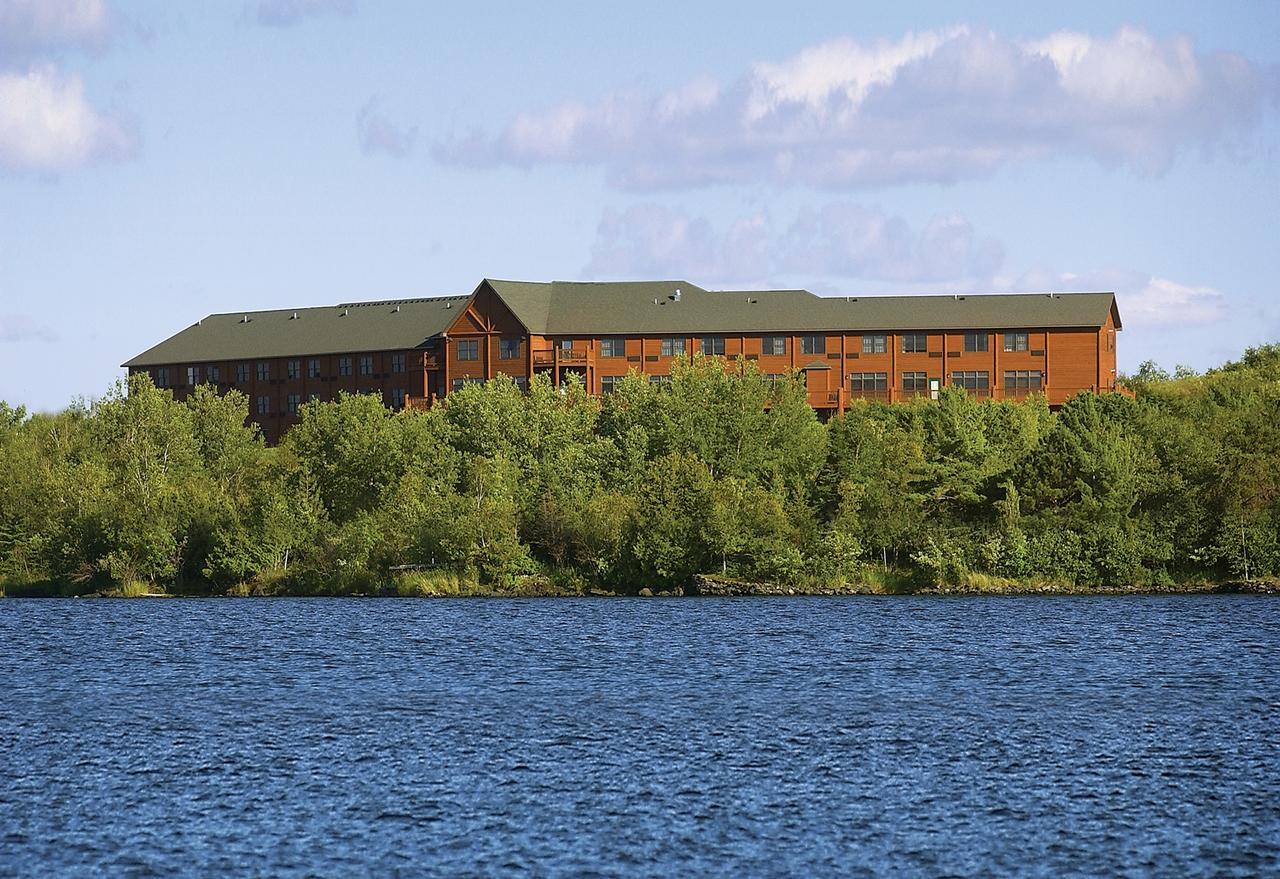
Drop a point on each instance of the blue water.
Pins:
(807, 736)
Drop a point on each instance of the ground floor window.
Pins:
(1022, 379)
(973, 381)
(609, 383)
(868, 382)
(264, 405)
(915, 382)
(292, 402)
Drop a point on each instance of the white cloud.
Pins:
(39, 25)
(47, 125)
(934, 106)
(16, 328)
(1145, 300)
(287, 13)
(377, 133)
(840, 240)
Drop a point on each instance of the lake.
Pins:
(1031, 736)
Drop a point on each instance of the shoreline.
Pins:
(703, 586)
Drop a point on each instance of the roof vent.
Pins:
(751, 300)
(293, 316)
(345, 312)
(448, 305)
(1050, 295)
(397, 308)
(675, 297)
(245, 319)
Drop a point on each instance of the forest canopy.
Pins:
(721, 471)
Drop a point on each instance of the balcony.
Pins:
(564, 358)
(881, 396)
(430, 361)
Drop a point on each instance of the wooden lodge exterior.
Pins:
(417, 350)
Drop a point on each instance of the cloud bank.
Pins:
(33, 26)
(47, 125)
(936, 106)
(838, 240)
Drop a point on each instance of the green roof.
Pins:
(572, 308)
(353, 326)
(652, 308)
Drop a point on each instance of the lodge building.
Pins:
(413, 351)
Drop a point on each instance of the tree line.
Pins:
(717, 471)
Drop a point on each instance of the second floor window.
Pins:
(672, 346)
(508, 349)
(915, 343)
(366, 365)
(264, 370)
(295, 369)
(162, 377)
(313, 368)
(242, 373)
(293, 401)
(1015, 341)
(773, 346)
(397, 363)
(877, 344)
(713, 344)
(344, 366)
(975, 341)
(813, 344)
(566, 346)
(613, 348)
(193, 376)
(264, 405)
(215, 374)
(469, 349)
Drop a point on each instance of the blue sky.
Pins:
(162, 161)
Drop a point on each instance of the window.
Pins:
(508, 349)
(672, 346)
(344, 366)
(313, 368)
(292, 402)
(1022, 379)
(975, 341)
(264, 405)
(264, 370)
(162, 377)
(459, 383)
(775, 378)
(713, 345)
(874, 344)
(242, 373)
(193, 376)
(215, 374)
(313, 398)
(1015, 341)
(521, 382)
(773, 346)
(469, 349)
(609, 383)
(813, 344)
(868, 382)
(915, 382)
(397, 398)
(915, 343)
(397, 363)
(613, 347)
(973, 381)
(293, 368)
(366, 364)
(566, 346)
(659, 379)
